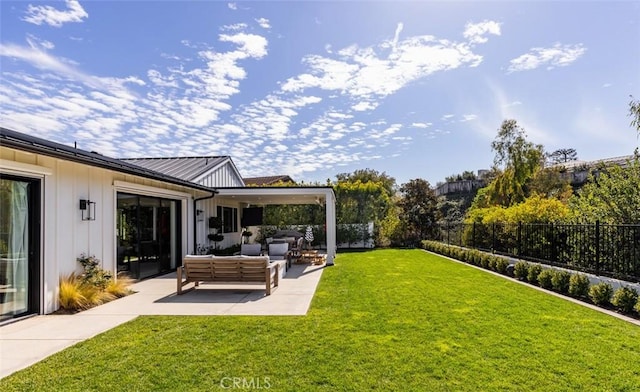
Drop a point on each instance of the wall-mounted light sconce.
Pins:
(199, 215)
(88, 209)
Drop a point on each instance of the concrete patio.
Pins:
(28, 341)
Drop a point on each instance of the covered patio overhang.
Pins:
(257, 196)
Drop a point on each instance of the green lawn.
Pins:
(401, 320)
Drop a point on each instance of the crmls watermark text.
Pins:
(245, 383)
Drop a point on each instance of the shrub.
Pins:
(638, 307)
(534, 271)
(484, 260)
(492, 263)
(94, 275)
(625, 298)
(579, 285)
(560, 281)
(544, 279)
(501, 265)
(521, 270)
(477, 257)
(600, 293)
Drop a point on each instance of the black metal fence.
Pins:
(608, 250)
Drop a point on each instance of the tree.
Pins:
(550, 183)
(535, 209)
(369, 175)
(465, 175)
(611, 196)
(563, 155)
(634, 113)
(419, 210)
(518, 160)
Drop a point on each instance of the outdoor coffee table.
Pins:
(308, 256)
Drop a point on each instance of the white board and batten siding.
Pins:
(64, 235)
(225, 175)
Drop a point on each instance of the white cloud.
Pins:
(476, 32)
(366, 75)
(557, 56)
(468, 117)
(364, 106)
(251, 45)
(46, 14)
(447, 117)
(234, 27)
(264, 23)
(606, 85)
(421, 125)
(513, 103)
(396, 36)
(232, 6)
(102, 114)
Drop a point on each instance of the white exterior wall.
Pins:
(64, 235)
(209, 209)
(223, 176)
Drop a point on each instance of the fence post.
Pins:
(554, 244)
(519, 238)
(473, 235)
(448, 242)
(493, 237)
(597, 247)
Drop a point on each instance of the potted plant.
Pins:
(245, 236)
(215, 222)
(215, 237)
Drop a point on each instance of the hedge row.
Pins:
(576, 285)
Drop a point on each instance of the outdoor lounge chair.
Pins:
(251, 249)
(279, 252)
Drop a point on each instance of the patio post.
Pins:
(330, 221)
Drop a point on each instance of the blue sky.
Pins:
(312, 89)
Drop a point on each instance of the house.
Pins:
(269, 180)
(144, 216)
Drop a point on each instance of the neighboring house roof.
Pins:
(21, 141)
(581, 165)
(269, 180)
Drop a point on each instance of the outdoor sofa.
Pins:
(227, 269)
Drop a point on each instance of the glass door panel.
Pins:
(148, 228)
(19, 227)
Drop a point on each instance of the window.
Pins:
(229, 217)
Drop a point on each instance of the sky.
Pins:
(312, 89)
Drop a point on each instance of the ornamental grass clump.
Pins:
(624, 299)
(94, 287)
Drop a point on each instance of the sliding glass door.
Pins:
(148, 235)
(19, 246)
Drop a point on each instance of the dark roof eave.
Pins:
(19, 141)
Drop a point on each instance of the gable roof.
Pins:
(21, 141)
(268, 180)
(185, 168)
